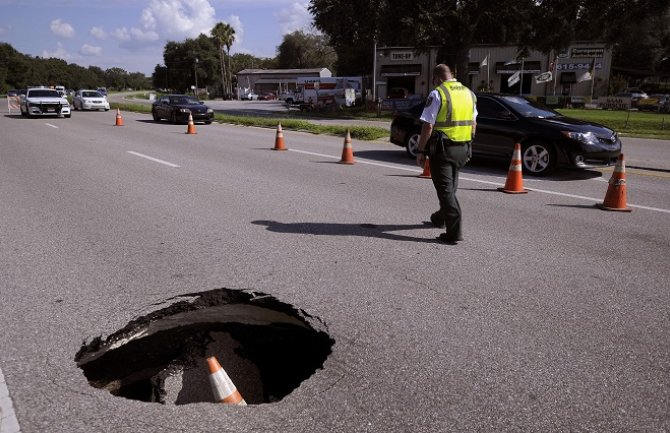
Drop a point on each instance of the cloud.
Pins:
(62, 29)
(121, 34)
(235, 22)
(98, 33)
(60, 53)
(168, 19)
(90, 50)
(295, 17)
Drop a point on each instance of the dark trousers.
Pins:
(444, 168)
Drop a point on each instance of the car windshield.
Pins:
(528, 108)
(183, 100)
(91, 95)
(44, 94)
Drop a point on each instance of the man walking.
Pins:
(449, 123)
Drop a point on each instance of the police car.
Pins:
(40, 101)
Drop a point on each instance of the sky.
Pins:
(131, 34)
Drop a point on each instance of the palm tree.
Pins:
(225, 36)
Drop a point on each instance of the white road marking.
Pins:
(8, 421)
(160, 161)
(53, 126)
(487, 182)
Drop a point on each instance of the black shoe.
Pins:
(444, 237)
(437, 220)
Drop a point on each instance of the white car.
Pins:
(251, 96)
(89, 100)
(41, 101)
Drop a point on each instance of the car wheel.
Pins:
(538, 158)
(174, 118)
(24, 113)
(67, 116)
(155, 116)
(208, 122)
(412, 143)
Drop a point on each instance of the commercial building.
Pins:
(496, 68)
(276, 80)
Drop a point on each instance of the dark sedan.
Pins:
(548, 139)
(177, 108)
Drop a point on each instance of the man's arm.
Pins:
(426, 132)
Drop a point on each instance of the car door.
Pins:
(496, 128)
(163, 107)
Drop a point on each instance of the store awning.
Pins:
(532, 67)
(401, 70)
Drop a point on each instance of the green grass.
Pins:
(357, 132)
(627, 123)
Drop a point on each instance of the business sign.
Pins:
(588, 52)
(544, 77)
(402, 55)
(614, 103)
(577, 66)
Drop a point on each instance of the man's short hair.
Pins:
(442, 71)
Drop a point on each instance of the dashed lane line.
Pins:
(53, 126)
(487, 182)
(151, 158)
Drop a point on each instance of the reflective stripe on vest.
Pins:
(455, 124)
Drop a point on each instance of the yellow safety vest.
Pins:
(455, 117)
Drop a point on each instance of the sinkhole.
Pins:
(267, 347)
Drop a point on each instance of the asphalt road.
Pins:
(639, 152)
(551, 316)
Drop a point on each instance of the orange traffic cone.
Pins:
(224, 389)
(347, 151)
(426, 170)
(279, 139)
(615, 198)
(514, 182)
(119, 119)
(191, 126)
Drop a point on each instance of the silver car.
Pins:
(89, 100)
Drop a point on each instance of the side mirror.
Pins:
(505, 115)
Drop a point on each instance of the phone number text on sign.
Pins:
(576, 66)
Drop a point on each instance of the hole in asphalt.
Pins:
(266, 347)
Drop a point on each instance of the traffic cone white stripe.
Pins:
(223, 388)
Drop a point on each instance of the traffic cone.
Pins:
(615, 198)
(347, 151)
(191, 126)
(279, 139)
(514, 182)
(224, 389)
(119, 119)
(426, 170)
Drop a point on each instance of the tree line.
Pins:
(19, 71)
(639, 31)
(206, 60)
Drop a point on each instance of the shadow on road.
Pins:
(336, 229)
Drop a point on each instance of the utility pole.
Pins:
(374, 73)
(195, 72)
